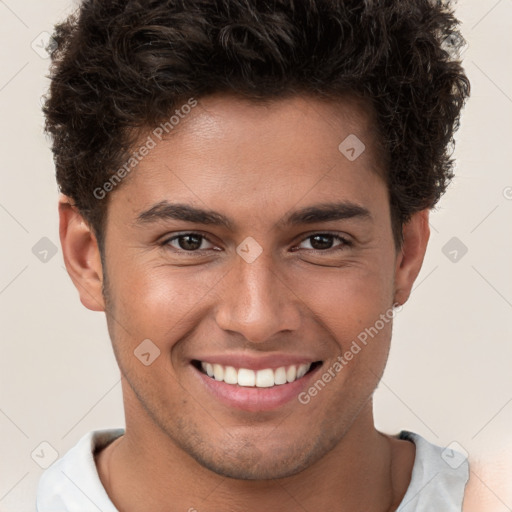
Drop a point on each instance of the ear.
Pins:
(81, 255)
(416, 233)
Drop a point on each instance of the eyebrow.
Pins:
(310, 215)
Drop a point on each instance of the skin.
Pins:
(489, 485)
(254, 164)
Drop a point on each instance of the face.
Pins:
(250, 246)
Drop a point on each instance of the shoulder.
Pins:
(72, 482)
(438, 479)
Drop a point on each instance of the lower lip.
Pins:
(254, 399)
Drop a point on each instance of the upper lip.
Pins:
(251, 362)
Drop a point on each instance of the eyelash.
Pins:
(344, 242)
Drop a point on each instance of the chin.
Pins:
(249, 462)
(261, 470)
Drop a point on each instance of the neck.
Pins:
(145, 470)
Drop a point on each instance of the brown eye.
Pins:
(325, 241)
(321, 241)
(189, 242)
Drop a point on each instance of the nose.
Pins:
(256, 302)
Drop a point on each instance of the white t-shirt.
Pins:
(72, 484)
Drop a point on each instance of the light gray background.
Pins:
(449, 375)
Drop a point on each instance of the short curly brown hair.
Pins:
(119, 66)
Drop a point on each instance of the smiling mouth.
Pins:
(264, 378)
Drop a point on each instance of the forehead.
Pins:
(289, 128)
(234, 152)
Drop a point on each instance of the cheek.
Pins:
(354, 310)
(345, 300)
(165, 305)
(154, 301)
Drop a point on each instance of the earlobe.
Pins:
(81, 255)
(416, 233)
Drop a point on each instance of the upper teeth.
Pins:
(261, 378)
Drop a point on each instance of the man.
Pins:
(245, 193)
